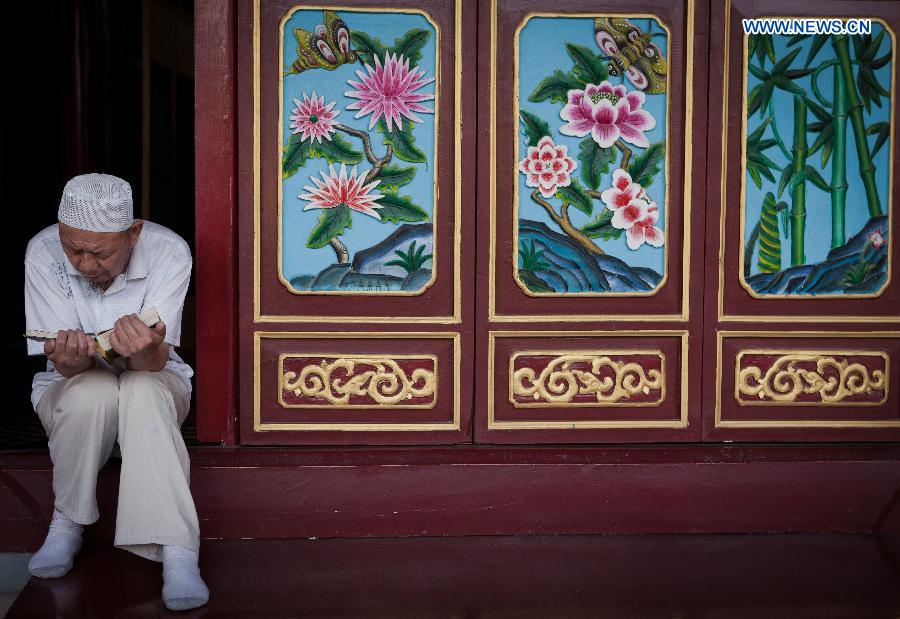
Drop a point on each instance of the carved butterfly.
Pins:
(326, 48)
(631, 53)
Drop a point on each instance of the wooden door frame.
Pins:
(215, 261)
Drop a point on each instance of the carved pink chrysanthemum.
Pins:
(313, 119)
(335, 189)
(388, 90)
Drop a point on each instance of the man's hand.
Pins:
(72, 352)
(144, 347)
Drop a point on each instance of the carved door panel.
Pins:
(592, 133)
(804, 301)
(355, 315)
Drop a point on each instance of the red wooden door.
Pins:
(355, 327)
(634, 295)
(585, 333)
(802, 307)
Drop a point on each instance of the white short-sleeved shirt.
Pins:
(58, 297)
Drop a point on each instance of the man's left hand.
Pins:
(132, 338)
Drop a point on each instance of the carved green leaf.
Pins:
(396, 208)
(332, 222)
(816, 179)
(883, 131)
(337, 150)
(394, 176)
(534, 127)
(589, 66)
(402, 141)
(595, 161)
(646, 165)
(410, 44)
(785, 178)
(555, 87)
(367, 46)
(818, 41)
(754, 99)
(601, 227)
(574, 195)
(296, 153)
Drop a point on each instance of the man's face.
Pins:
(99, 256)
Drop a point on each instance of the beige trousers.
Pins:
(85, 415)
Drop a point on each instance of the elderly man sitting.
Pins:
(95, 270)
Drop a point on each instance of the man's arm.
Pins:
(144, 348)
(72, 352)
(49, 307)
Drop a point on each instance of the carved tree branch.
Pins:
(377, 164)
(343, 256)
(362, 135)
(562, 220)
(626, 154)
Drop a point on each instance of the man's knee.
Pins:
(91, 390)
(88, 400)
(142, 389)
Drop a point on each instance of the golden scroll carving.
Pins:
(380, 380)
(606, 378)
(791, 379)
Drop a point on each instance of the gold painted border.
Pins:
(684, 315)
(332, 355)
(795, 423)
(515, 222)
(844, 353)
(437, 90)
(722, 316)
(456, 317)
(258, 426)
(596, 352)
(680, 423)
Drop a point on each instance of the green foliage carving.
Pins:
(332, 222)
(534, 127)
(412, 259)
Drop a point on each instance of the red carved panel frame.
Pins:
(676, 308)
(736, 321)
(444, 308)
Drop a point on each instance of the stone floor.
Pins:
(621, 577)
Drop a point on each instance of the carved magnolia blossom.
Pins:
(607, 113)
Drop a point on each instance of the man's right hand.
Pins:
(72, 352)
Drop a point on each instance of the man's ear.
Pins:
(135, 231)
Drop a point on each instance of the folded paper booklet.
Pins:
(149, 317)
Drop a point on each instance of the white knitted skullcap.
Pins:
(97, 203)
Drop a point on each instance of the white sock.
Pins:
(182, 586)
(54, 559)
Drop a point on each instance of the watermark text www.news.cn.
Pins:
(809, 26)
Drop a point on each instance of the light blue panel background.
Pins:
(366, 231)
(542, 50)
(818, 202)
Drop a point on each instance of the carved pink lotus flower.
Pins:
(638, 219)
(547, 167)
(608, 113)
(387, 91)
(875, 238)
(313, 119)
(335, 189)
(622, 192)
